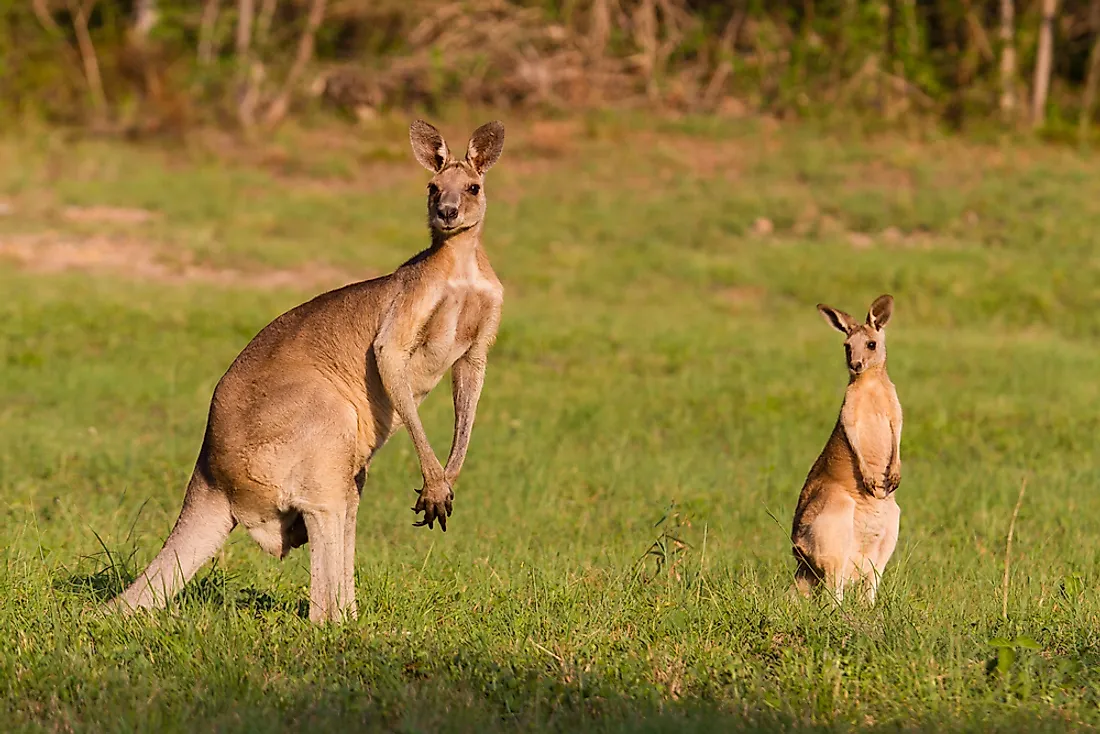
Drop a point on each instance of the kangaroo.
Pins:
(297, 418)
(846, 522)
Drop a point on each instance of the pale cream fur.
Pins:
(846, 523)
(298, 416)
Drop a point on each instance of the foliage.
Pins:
(892, 60)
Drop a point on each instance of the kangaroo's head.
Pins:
(456, 193)
(865, 344)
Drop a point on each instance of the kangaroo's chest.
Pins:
(871, 414)
(876, 440)
(451, 329)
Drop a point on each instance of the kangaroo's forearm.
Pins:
(895, 444)
(853, 443)
(862, 469)
(391, 370)
(468, 377)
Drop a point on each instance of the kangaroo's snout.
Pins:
(857, 366)
(447, 211)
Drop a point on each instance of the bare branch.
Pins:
(80, 12)
(1008, 58)
(250, 97)
(42, 12)
(278, 108)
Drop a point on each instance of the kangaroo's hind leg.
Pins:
(833, 544)
(868, 575)
(806, 577)
(325, 526)
(878, 555)
(350, 517)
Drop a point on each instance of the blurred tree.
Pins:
(1092, 78)
(1043, 64)
(1008, 59)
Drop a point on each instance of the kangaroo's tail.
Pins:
(203, 526)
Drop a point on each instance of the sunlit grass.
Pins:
(658, 345)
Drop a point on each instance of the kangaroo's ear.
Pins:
(428, 146)
(837, 319)
(485, 146)
(881, 311)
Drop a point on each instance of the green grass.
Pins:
(654, 349)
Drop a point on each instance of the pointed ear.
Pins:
(837, 319)
(881, 311)
(428, 146)
(485, 147)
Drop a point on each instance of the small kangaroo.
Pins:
(846, 523)
(298, 416)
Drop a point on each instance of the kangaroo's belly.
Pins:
(873, 522)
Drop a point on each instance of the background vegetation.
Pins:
(149, 65)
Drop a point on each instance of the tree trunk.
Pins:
(207, 25)
(80, 11)
(1008, 59)
(245, 13)
(1043, 64)
(1092, 80)
(890, 52)
(279, 107)
(251, 75)
(599, 28)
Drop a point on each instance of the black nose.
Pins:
(447, 212)
(857, 366)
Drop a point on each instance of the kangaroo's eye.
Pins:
(473, 189)
(871, 346)
(432, 189)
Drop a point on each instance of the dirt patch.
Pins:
(703, 157)
(742, 296)
(553, 138)
(107, 214)
(52, 252)
(878, 174)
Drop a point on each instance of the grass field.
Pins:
(659, 345)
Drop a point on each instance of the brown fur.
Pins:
(846, 523)
(298, 416)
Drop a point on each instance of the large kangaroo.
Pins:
(298, 416)
(846, 523)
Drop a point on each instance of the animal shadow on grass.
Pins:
(113, 572)
(393, 687)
